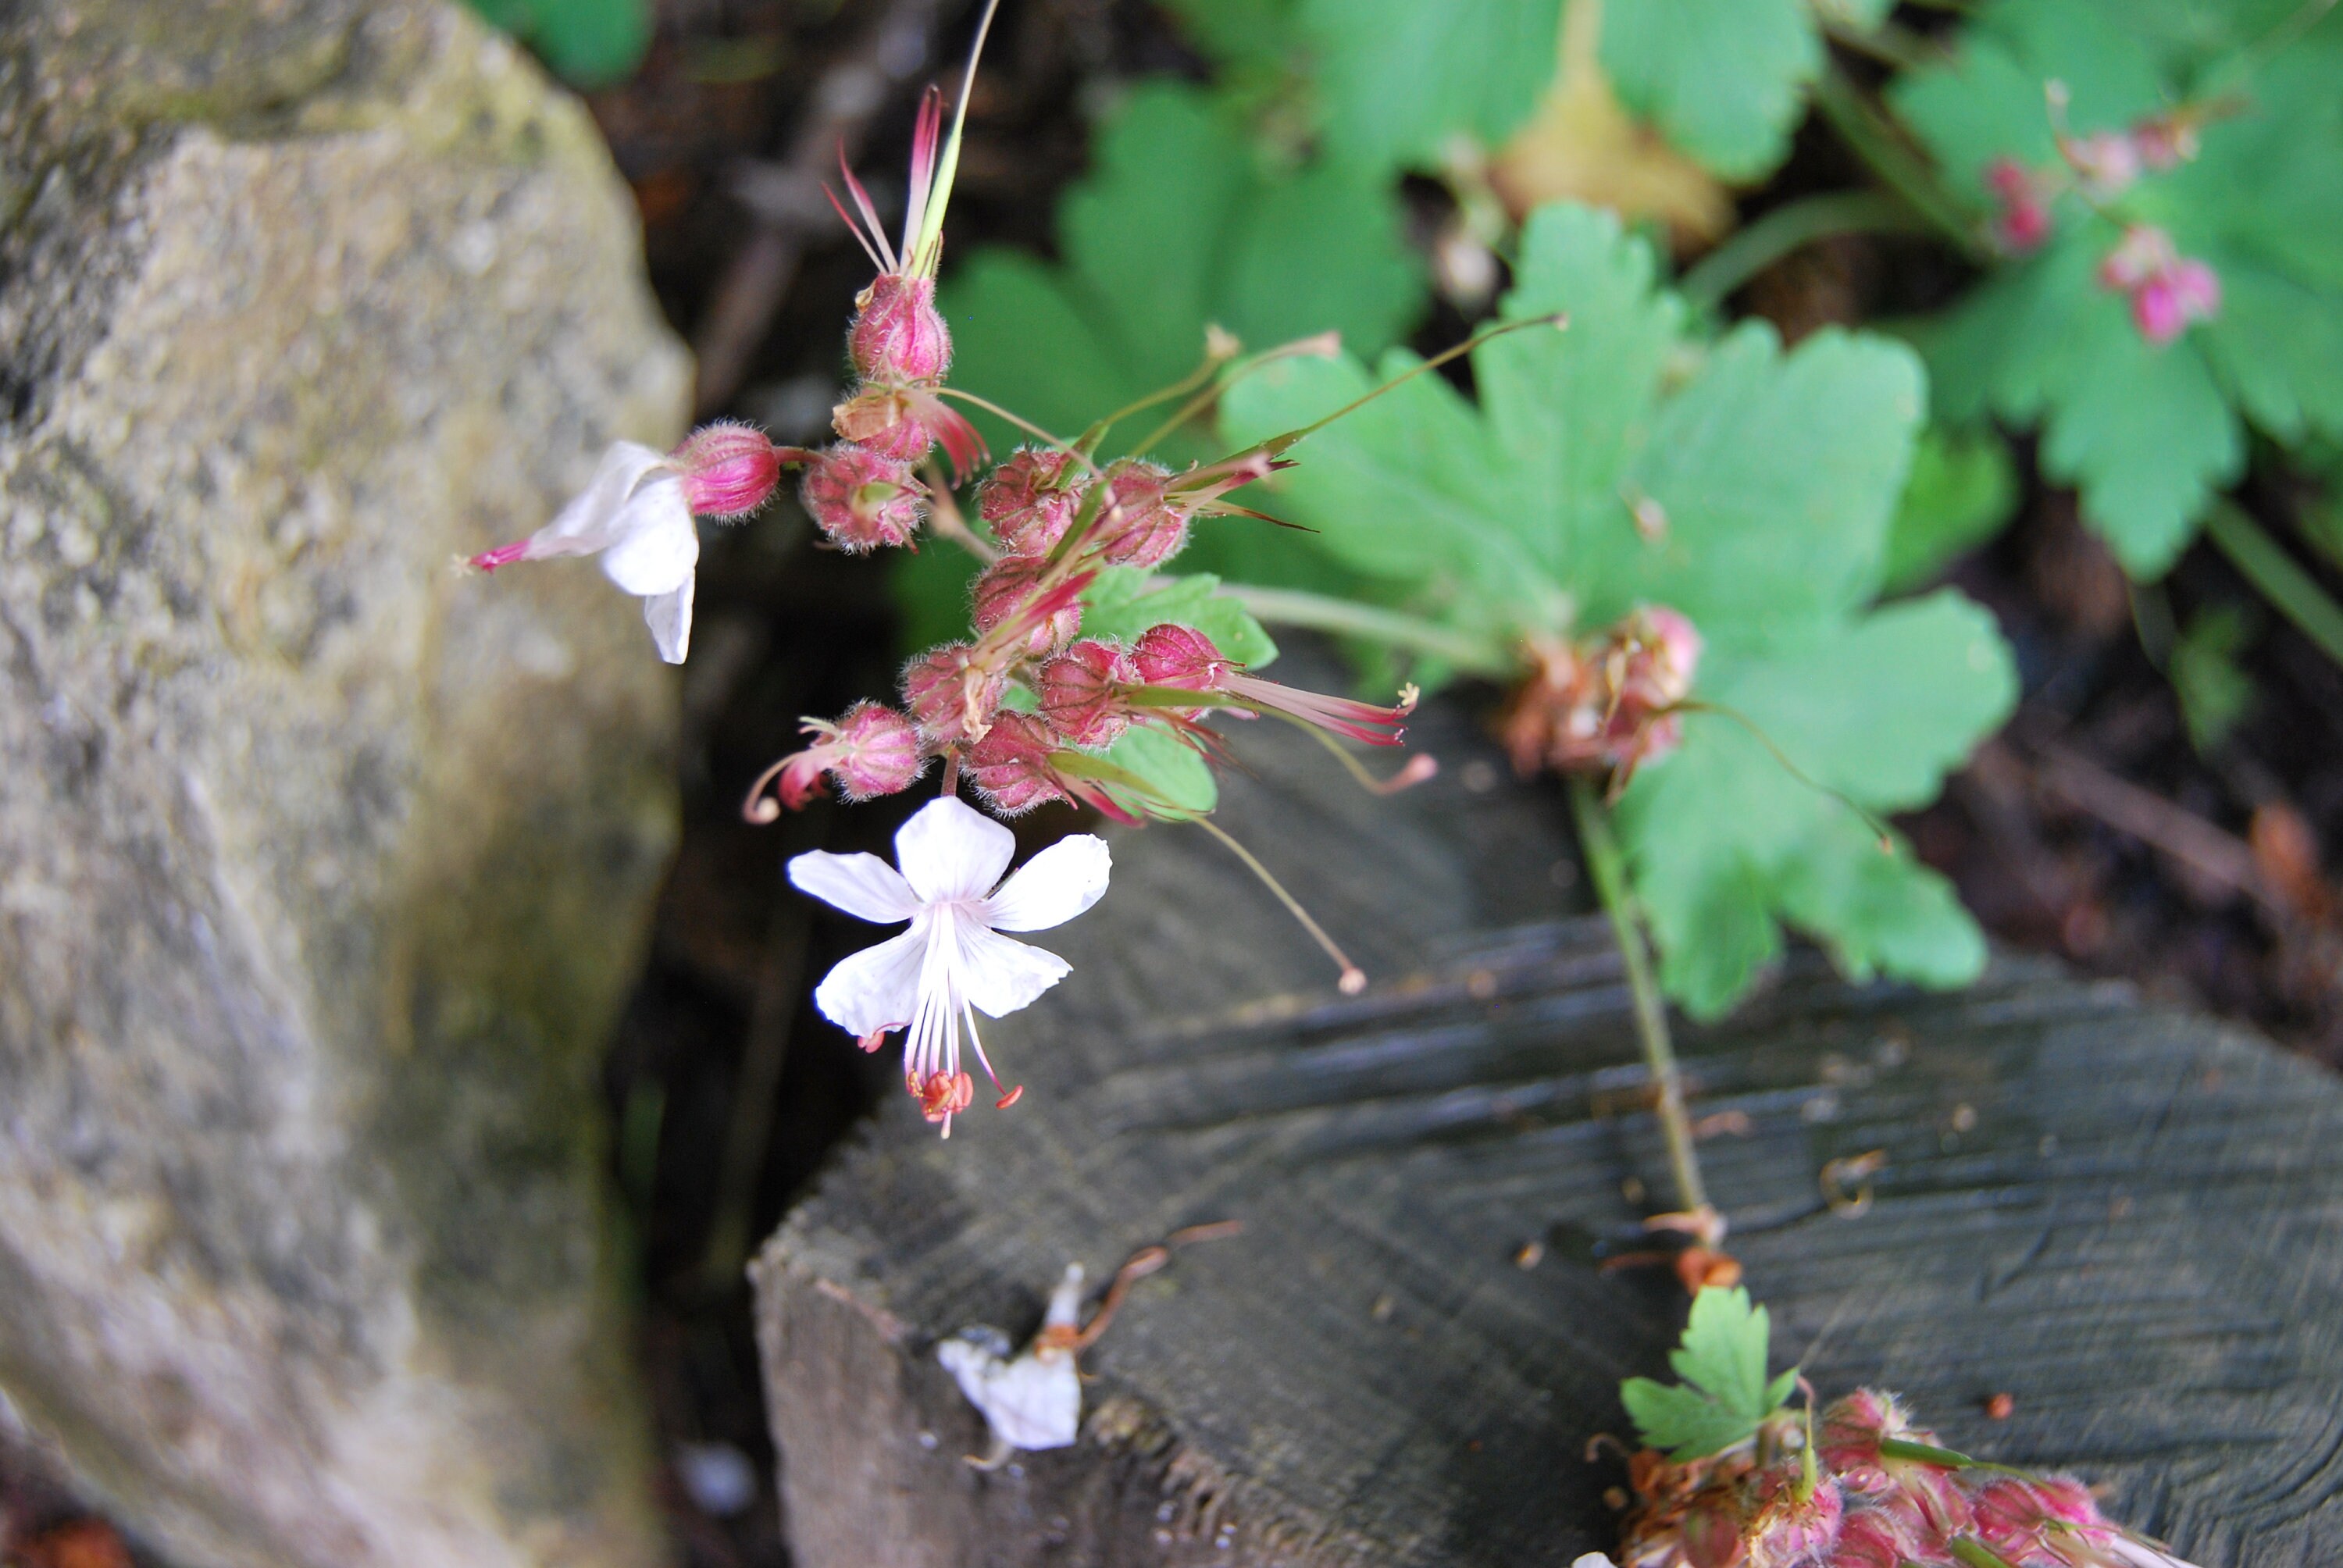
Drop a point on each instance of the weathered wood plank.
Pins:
(2126, 1218)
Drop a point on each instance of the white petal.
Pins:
(653, 543)
(586, 524)
(864, 885)
(668, 615)
(1052, 888)
(878, 988)
(950, 850)
(1000, 976)
(1030, 1403)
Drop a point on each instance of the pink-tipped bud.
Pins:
(952, 700)
(899, 337)
(1082, 693)
(1180, 656)
(1876, 1538)
(1848, 1444)
(1140, 527)
(872, 751)
(862, 499)
(729, 469)
(2168, 292)
(2030, 1519)
(2021, 215)
(1789, 1529)
(2144, 252)
(1013, 766)
(1030, 500)
(1009, 593)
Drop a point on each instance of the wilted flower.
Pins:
(1609, 704)
(952, 696)
(1028, 501)
(1082, 693)
(1796, 1520)
(2168, 290)
(634, 515)
(1852, 1430)
(1035, 1401)
(1011, 591)
(953, 963)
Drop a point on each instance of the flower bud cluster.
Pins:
(2101, 166)
(2168, 291)
(1608, 705)
(1869, 1500)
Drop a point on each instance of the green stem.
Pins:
(1323, 612)
(2265, 563)
(1873, 139)
(1609, 868)
(1787, 229)
(1976, 1553)
(1926, 1453)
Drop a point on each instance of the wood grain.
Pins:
(2125, 1217)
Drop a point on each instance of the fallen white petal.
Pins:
(878, 988)
(864, 885)
(999, 976)
(1052, 888)
(1034, 1402)
(951, 850)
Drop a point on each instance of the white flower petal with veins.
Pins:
(953, 963)
(634, 515)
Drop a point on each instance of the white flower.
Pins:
(1034, 1402)
(953, 963)
(634, 515)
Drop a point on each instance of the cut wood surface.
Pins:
(2128, 1219)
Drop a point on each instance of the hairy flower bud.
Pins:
(1178, 656)
(1013, 767)
(952, 700)
(1009, 596)
(1876, 1538)
(729, 469)
(871, 750)
(1848, 1443)
(2168, 291)
(898, 335)
(1082, 696)
(2106, 163)
(1030, 500)
(1141, 526)
(864, 499)
(1792, 1526)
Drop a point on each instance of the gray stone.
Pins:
(323, 867)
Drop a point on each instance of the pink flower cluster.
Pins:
(2168, 291)
(1025, 706)
(1611, 704)
(1881, 1494)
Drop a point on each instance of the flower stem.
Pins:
(1871, 137)
(1608, 867)
(2263, 563)
(1323, 612)
(1790, 227)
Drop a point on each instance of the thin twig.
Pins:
(1788, 228)
(2164, 826)
(2281, 579)
(749, 1135)
(785, 197)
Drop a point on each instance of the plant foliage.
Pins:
(1725, 1395)
(1624, 462)
(587, 43)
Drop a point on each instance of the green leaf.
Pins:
(1399, 77)
(1621, 463)
(1961, 491)
(1125, 601)
(2148, 434)
(1724, 1394)
(1724, 80)
(587, 43)
(1180, 781)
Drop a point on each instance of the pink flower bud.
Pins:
(952, 700)
(1030, 499)
(729, 469)
(2197, 288)
(2030, 1519)
(1012, 766)
(1789, 1530)
(1876, 1538)
(1010, 591)
(863, 501)
(1180, 656)
(2105, 162)
(898, 335)
(2144, 252)
(2022, 218)
(1082, 695)
(2165, 143)
(1848, 1444)
(873, 750)
(1140, 527)
(2156, 312)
